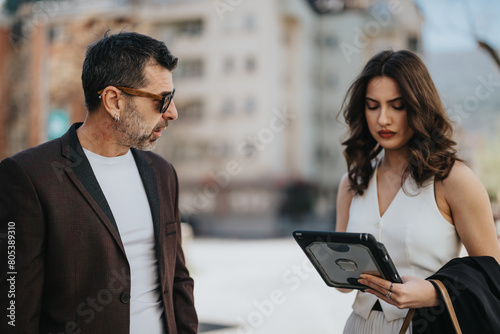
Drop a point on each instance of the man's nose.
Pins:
(171, 112)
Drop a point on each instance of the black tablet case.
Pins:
(340, 257)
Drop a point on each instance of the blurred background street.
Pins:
(262, 286)
(259, 85)
(257, 145)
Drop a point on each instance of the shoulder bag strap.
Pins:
(407, 321)
(449, 307)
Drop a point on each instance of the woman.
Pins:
(407, 187)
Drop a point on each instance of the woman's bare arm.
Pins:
(471, 212)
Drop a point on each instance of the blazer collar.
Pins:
(80, 171)
(148, 176)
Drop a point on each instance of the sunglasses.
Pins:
(165, 99)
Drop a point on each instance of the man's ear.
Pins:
(112, 101)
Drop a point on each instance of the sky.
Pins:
(450, 25)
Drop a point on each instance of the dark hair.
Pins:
(119, 60)
(431, 147)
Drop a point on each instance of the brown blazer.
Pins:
(71, 273)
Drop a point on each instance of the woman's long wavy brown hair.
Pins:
(431, 149)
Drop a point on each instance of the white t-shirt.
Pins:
(122, 186)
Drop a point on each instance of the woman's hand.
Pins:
(413, 293)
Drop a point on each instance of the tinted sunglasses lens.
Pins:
(164, 105)
(166, 101)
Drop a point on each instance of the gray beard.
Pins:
(133, 132)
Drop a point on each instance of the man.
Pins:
(90, 227)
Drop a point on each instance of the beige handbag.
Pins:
(449, 307)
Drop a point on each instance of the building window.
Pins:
(170, 32)
(328, 6)
(183, 28)
(250, 64)
(189, 68)
(331, 42)
(323, 154)
(190, 28)
(228, 107)
(56, 32)
(413, 43)
(249, 22)
(250, 105)
(228, 65)
(192, 111)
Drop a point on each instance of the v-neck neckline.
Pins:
(380, 215)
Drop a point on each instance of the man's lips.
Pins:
(158, 131)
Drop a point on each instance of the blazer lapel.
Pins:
(80, 172)
(148, 177)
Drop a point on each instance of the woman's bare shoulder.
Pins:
(461, 177)
(344, 199)
(345, 192)
(470, 208)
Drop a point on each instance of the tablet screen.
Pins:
(341, 257)
(343, 262)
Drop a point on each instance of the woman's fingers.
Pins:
(414, 292)
(380, 287)
(377, 283)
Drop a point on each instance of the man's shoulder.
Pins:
(37, 162)
(38, 154)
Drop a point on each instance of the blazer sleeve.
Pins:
(185, 314)
(22, 243)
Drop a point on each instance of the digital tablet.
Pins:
(341, 257)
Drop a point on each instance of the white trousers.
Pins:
(376, 324)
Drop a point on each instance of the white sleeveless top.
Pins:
(416, 235)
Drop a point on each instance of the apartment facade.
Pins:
(259, 85)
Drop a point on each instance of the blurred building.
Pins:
(4, 82)
(258, 88)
